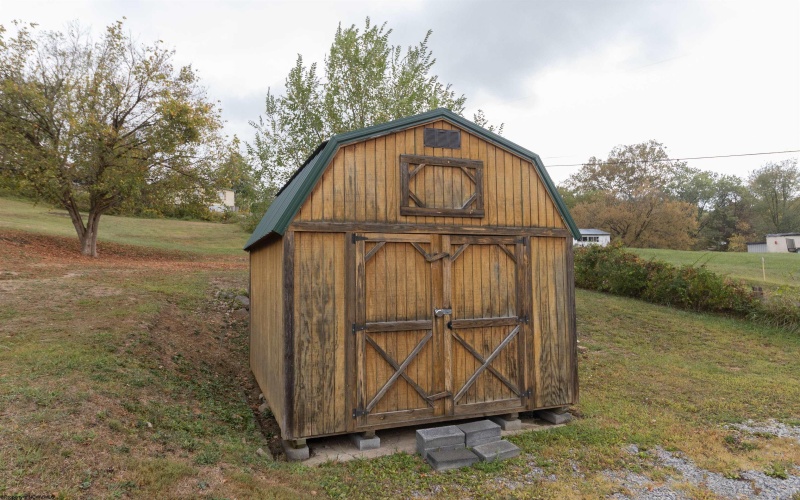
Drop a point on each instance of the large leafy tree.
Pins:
(636, 195)
(776, 188)
(87, 124)
(366, 80)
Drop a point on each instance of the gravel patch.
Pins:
(753, 484)
(771, 427)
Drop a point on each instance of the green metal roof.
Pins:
(291, 197)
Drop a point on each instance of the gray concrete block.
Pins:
(366, 441)
(498, 450)
(507, 425)
(438, 437)
(451, 459)
(480, 432)
(295, 454)
(553, 416)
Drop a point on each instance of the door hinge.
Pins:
(524, 319)
(357, 328)
(359, 413)
(358, 238)
(527, 393)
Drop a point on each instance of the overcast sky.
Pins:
(569, 79)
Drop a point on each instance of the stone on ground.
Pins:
(451, 459)
(497, 450)
(480, 432)
(434, 438)
(364, 442)
(554, 417)
(505, 424)
(295, 454)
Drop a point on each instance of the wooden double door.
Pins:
(441, 325)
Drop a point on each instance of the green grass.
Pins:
(141, 391)
(190, 236)
(780, 269)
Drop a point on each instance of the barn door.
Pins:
(488, 325)
(396, 358)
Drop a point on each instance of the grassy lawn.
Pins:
(125, 376)
(780, 269)
(202, 237)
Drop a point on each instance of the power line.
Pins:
(681, 159)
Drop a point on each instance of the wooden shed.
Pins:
(411, 272)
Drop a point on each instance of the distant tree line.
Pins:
(647, 200)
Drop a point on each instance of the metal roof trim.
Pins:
(290, 198)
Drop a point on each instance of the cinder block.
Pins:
(480, 432)
(439, 437)
(366, 442)
(507, 425)
(451, 459)
(553, 416)
(295, 454)
(498, 450)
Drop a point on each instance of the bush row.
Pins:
(612, 269)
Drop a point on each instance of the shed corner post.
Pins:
(573, 326)
(288, 332)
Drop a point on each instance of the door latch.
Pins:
(441, 312)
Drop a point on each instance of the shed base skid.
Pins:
(366, 440)
(508, 422)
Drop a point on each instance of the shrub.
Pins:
(614, 270)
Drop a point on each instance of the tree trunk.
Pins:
(89, 238)
(87, 234)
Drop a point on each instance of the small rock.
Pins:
(261, 397)
(265, 454)
(244, 301)
(264, 408)
(240, 315)
(149, 425)
(582, 349)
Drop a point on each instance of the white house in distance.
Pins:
(592, 237)
(227, 201)
(776, 243)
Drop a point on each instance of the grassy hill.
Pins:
(780, 269)
(127, 376)
(200, 237)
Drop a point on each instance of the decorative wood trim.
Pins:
(473, 169)
(573, 332)
(486, 364)
(458, 324)
(399, 326)
(288, 332)
(371, 227)
(350, 341)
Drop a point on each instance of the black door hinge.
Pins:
(527, 394)
(357, 328)
(359, 413)
(358, 238)
(524, 319)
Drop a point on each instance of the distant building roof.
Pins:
(597, 232)
(783, 234)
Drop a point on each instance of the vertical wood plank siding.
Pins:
(319, 314)
(553, 351)
(267, 328)
(362, 184)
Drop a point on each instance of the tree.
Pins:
(89, 124)
(635, 195)
(776, 188)
(366, 81)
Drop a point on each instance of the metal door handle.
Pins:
(441, 312)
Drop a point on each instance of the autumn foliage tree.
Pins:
(87, 124)
(635, 195)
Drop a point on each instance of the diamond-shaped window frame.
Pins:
(473, 169)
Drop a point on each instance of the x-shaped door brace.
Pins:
(486, 364)
(400, 371)
(429, 257)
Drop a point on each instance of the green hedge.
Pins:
(612, 269)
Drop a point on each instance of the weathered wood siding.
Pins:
(319, 334)
(363, 184)
(554, 356)
(266, 324)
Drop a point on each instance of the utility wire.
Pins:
(681, 159)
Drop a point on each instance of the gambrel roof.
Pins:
(292, 196)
